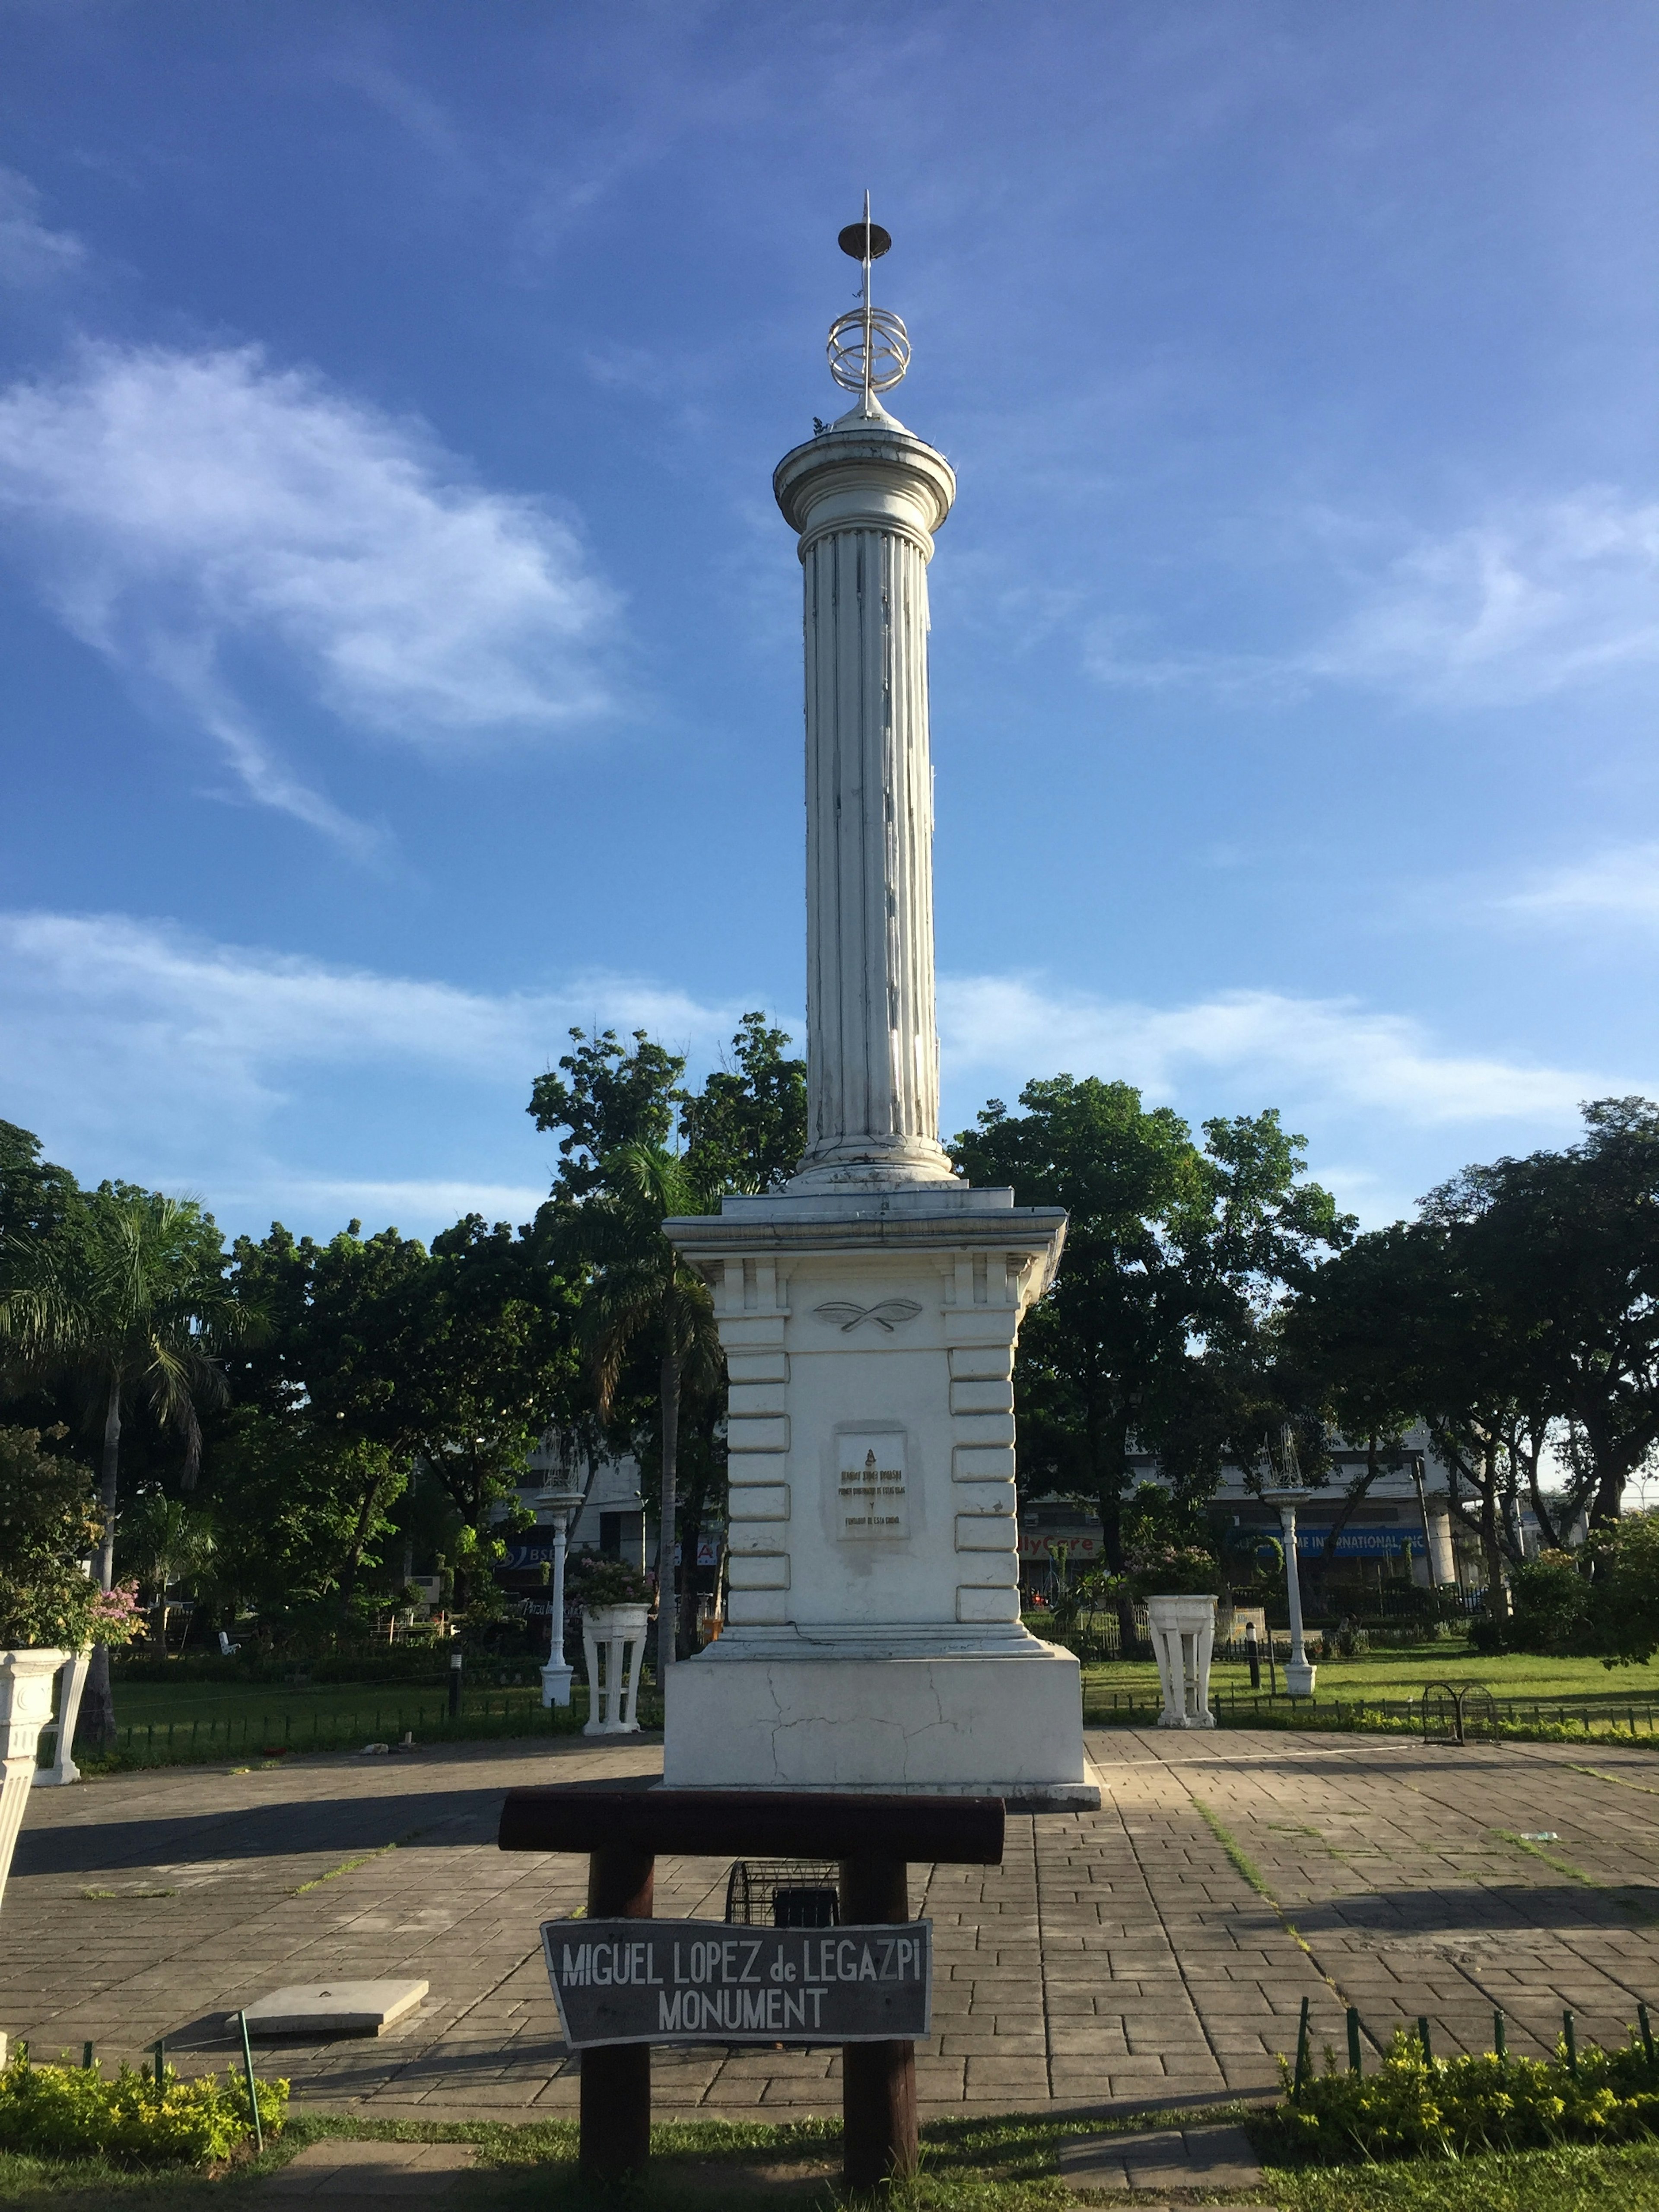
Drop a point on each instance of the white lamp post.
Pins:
(1298, 1674)
(561, 1503)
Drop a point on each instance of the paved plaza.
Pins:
(1118, 1957)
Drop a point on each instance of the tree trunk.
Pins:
(1491, 1544)
(1554, 1538)
(690, 1532)
(667, 1608)
(1109, 1503)
(97, 1723)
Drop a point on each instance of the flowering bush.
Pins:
(64, 2111)
(1415, 2107)
(47, 1527)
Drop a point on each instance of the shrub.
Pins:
(1413, 2107)
(1175, 1571)
(64, 2111)
(47, 1526)
(610, 1582)
(1624, 1598)
(1551, 1604)
(1347, 1640)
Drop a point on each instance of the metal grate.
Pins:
(783, 1893)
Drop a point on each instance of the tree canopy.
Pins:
(1158, 1329)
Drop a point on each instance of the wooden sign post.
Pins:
(874, 1836)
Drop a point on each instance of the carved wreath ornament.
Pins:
(890, 1314)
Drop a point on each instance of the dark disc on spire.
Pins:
(852, 241)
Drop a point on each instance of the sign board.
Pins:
(1363, 1543)
(708, 1981)
(870, 1483)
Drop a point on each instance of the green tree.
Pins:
(1158, 1328)
(300, 1509)
(746, 1130)
(641, 1291)
(1566, 1246)
(613, 1097)
(126, 1296)
(457, 1358)
(34, 1195)
(166, 1542)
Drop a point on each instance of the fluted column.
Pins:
(866, 497)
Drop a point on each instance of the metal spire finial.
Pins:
(869, 349)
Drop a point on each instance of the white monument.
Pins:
(870, 1311)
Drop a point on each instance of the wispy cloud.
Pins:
(272, 1080)
(1531, 601)
(263, 1078)
(1310, 1053)
(241, 1018)
(1524, 604)
(31, 251)
(1619, 886)
(179, 507)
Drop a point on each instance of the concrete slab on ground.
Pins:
(324, 2009)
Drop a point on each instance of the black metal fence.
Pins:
(280, 1731)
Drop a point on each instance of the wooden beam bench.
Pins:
(875, 1836)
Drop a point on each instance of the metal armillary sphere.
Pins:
(869, 349)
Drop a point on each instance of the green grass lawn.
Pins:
(999, 2166)
(165, 1722)
(193, 1722)
(1400, 1674)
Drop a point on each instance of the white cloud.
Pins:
(1531, 601)
(1312, 1052)
(270, 1083)
(1526, 604)
(273, 1084)
(417, 1208)
(238, 1021)
(1619, 885)
(181, 506)
(30, 251)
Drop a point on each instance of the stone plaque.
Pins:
(869, 1501)
(707, 1981)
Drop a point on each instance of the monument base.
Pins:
(982, 1724)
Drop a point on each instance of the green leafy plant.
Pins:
(47, 1526)
(1175, 1571)
(64, 2111)
(1416, 2107)
(600, 1582)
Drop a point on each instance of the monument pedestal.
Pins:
(873, 1637)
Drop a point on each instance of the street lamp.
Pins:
(561, 1501)
(1299, 1673)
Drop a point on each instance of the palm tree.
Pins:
(642, 1288)
(171, 1542)
(126, 1301)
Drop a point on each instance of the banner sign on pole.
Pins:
(708, 1981)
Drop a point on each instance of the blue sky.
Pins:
(401, 647)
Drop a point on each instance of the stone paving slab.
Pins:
(1116, 1959)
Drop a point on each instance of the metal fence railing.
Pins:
(277, 1731)
(1540, 1719)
